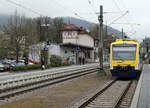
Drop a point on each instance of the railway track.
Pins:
(125, 102)
(117, 94)
(9, 90)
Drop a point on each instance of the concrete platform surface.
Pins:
(141, 97)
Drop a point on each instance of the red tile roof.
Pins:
(70, 27)
(83, 31)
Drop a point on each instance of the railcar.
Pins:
(125, 58)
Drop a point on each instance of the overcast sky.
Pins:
(85, 9)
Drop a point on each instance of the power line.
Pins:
(78, 15)
(103, 12)
(92, 7)
(37, 13)
(61, 5)
(67, 9)
(94, 4)
(118, 18)
(123, 4)
(129, 14)
(128, 24)
(119, 8)
(116, 5)
(123, 7)
(19, 5)
(120, 11)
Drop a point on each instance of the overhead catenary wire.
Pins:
(93, 4)
(24, 7)
(118, 18)
(120, 11)
(99, 13)
(92, 7)
(123, 4)
(37, 13)
(70, 10)
(67, 9)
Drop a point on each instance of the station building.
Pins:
(76, 43)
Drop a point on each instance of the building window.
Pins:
(65, 33)
(89, 56)
(65, 51)
(96, 43)
(72, 33)
(69, 33)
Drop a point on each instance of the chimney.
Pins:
(81, 27)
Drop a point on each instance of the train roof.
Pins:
(119, 40)
(125, 41)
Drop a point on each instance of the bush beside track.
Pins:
(35, 66)
(55, 61)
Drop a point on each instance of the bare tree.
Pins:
(22, 33)
(58, 25)
(51, 30)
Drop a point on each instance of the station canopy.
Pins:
(72, 45)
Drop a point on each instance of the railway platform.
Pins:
(141, 98)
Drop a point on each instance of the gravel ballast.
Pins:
(60, 95)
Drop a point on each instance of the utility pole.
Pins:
(100, 18)
(122, 33)
(106, 30)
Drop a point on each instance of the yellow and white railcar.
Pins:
(125, 58)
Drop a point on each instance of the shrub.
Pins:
(55, 61)
(34, 66)
(28, 67)
(18, 68)
(48, 66)
(65, 64)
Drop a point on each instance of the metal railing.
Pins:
(21, 80)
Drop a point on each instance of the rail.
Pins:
(14, 82)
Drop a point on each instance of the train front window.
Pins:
(124, 52)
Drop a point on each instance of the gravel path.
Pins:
(60, 95)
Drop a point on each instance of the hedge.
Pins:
(55, 61)
(28, 67)
(35, 66)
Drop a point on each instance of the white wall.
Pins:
(73, 37)
(54, 50)
(35, 51)
(70, 37)
(85, 40)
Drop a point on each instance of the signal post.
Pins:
(100, 18)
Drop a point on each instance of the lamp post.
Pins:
(44, 25)
(44, 51)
